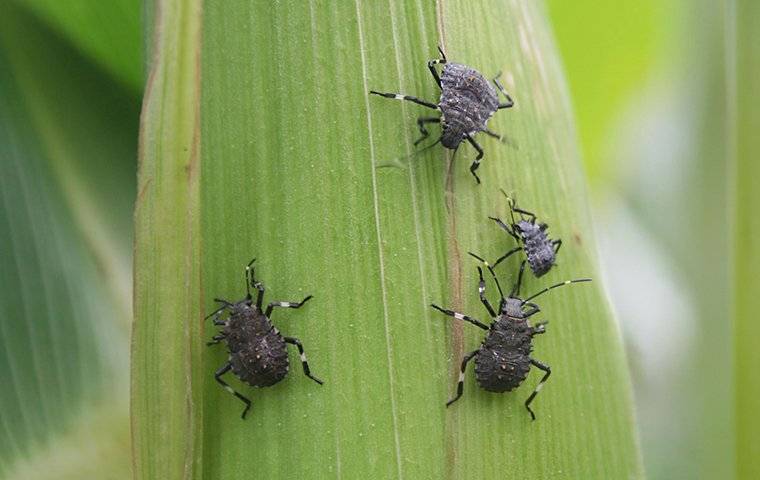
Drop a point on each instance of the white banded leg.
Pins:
(548, 371)
(475, 163)
(304, 362)
(433, 63)
(460, 384)
(271, 306)
(460, 316)
(250, 281)
(400, 96)
(218, 376)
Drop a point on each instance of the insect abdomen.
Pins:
(258, 353)
(538, 249)
(261, 362)
(467, 102)
(500, 370)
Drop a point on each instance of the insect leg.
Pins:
(271, 306)
(506, 228)
(482, 292)
(525, 212)
(506, 255)
(401, 96)
(218, 310)
(534, 310)
(548, 371)
(540, 327)
(461, 316)
(218, 376)
(460, 384)
(557, 243)
(509, 103)
(304, 363)
(421, 121)
(216, 339)
(433, 63)
(494, 135)
(476, 162)
(251, 282)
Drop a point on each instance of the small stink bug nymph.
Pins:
(503, 359)
(257, 350)
(540, 250)
(467, 102)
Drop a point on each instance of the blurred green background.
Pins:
(653, 86)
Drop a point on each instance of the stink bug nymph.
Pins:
(257, 350)
(467, 102)
(503, 359)
(540, 250)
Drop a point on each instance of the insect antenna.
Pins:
(493, 274)
(566, 282)
(248, 279)
(512, 202)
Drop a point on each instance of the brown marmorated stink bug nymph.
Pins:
(257, 350)
(467, 102)
(503, 360)
(540, 250)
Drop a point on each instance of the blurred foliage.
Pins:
(67, 158)
(747, 236)
(662, 153)
(106, 32)
(609, 50)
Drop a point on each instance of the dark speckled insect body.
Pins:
(540, 250)
(257, 350)
(503, 360)
(467, 101)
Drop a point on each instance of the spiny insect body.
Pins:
(540, 250)
(467, 102)
(257, 350)
(503, 360)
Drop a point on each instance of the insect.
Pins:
(503, 359)
(257, 350)
(540, 250)
(467, 102)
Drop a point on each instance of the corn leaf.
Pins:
(260, 140)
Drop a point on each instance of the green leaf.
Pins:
(290, 145)
(629, 39)
(106, 32)
(65, 180)
(746, 233)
